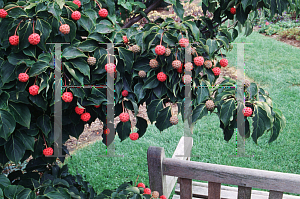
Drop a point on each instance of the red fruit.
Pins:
(34, 39)
(124, 93)
(3, 13)
(125, 39)
(64, 29)
(48, 151)
(77, 2)
(161, 77)
(147, 191)
(216, 71)
(141, 185)
(106, 131)
(110, 68)
(23, 77)
(134, 136)
(103, 13)
(78, 110)
(85, 117)
(232, 11)
(179, 70)
(183, 42)
(223, 62)
(199, 61)
(97, 106)
(14, 40)
(34, 90)
(76, 15)
(67, 97)
(163, 197)
(176, 64)
(247, 111)
(124, 117)
(188, 66)
(160, 50)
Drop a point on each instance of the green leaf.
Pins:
(199, 112)
(151, 82)
(103, 29)
(227, 110)
(4, 96)
(72, 53)
(212, 45)
(7, 72)
(86, 23)
(123, 130)
(88, 45)
(141, 125)
(61, 3)
(12, 190)
(241, 15)
(163, 119)
(26, 194)
(54, 9)
(75, 73)
(17, 13)
(170, 39)
(45, 30)
(253, 90)
(40, 101)
(178, 8)
(202, 93)
(194, 29)
(139, 91)
(30, 51)
(82, 66)
(7, 124)
(4, 181)
(153, 108)
(261, 122)
(127, 57)
(43, 122)
(37, 68)
(27, 140)
(14, 149)
(59, 181)
(21, 113)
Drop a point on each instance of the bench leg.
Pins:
(186, 188)
(214, 190)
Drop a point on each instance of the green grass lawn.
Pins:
(274, 66)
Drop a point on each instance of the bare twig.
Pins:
(139, 17)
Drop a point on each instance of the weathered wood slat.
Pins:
(166, 184)
(275, 195)
(186, 188)
(244, 192)
(232, 175)
(200, 190)
(214, 190)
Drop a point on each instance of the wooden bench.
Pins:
(163, 174)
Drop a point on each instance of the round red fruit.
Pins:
(64, 29)
(97, 106)
(3, 13)
(125, 39)
(147, 191)
(223, 62)
(67, 97)
(232, 11)
(77, 2)
(199, 61)
(23, 77)
(134, 136)
(76, 15)
(247, 111)
(14, 40)
(48, 151)
(183, 42)
(141, 185)
(78, 110)
(34, 90)
(124, 93)
(34, 39)
(85, 117)
(103, 13)
(216, 71)
(110, 68)
(163, 197)
(124, 117)
(160, 50)
(106, 131)
(161, 77)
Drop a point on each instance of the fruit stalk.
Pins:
(161, 37)
(136, 180)
(45, 140)
(18, 27)
(97, 4)
(69, 8)
(33, 26)
(13, 8)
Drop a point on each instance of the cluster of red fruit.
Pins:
(83, 116)
(76, 15)
(147, 191)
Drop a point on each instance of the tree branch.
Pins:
(139, 17)
(214, 26)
